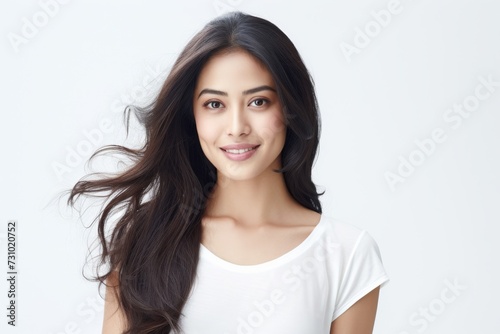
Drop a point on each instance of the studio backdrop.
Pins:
(409, 95)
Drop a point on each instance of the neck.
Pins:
(251, 202)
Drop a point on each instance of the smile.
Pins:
(240, 154)
(240, 151)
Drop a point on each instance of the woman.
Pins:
(220, 227)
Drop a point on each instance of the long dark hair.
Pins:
(160, 198)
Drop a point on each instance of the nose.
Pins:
(238, 124)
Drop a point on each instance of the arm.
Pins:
(113, 322)
(359, 318)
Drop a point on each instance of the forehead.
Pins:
(235, 69)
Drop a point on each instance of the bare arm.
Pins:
(359, 318)
(114, 320)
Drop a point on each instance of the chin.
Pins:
(247, 174)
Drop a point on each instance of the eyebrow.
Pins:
(245, 92)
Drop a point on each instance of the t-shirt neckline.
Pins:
(280, 260)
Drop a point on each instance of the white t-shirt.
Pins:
(300, 292)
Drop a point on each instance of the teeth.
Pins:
(239, 151)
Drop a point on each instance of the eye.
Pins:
(213, 105)
(259, 102)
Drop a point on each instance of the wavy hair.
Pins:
(160, 197)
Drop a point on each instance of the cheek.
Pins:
(206, 130)
(273, 127)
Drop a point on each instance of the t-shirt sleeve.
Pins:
(363, 272)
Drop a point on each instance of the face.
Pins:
(238, 116)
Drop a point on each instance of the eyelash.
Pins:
(266, 101)
(207, 104)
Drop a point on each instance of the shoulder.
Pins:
(354, 264)
(344, 240)
(343, 233)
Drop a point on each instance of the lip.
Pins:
(239, 156)
(239, 146)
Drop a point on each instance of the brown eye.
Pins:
(258, 102)
(213, 104)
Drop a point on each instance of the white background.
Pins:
(88, 59)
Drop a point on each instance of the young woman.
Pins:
(220, 228)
